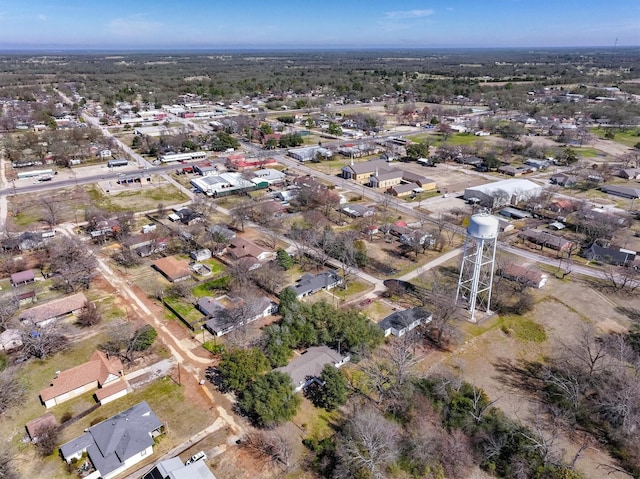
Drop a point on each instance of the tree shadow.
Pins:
(520, 375)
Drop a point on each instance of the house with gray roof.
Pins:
(118, 443)
(624, 191)
(306, 368)
(310, 283)
(603, 252)
(401, 322)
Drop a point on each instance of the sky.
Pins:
(314, 24)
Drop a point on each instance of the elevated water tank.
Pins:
(483, 226)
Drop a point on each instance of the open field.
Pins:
(563, 308)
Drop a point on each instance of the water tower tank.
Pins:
(483, 226)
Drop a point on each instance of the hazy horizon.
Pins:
(163, 25)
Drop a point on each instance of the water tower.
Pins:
(476, 272)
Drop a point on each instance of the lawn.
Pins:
(213, 287)
(628, 138)
(186, 310)
(586, 152)
(354, 287)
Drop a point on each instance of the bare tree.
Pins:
(274, 445)
(368, 442)
(622, 278)
(47, 439)
(13, 389)
(7, 470)
(90, 315)
(51, 210)
(8, 307)
(74, 263)
(43, 341)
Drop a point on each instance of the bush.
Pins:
(144, 338)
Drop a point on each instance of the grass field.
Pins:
(628, 138)
(140, 199)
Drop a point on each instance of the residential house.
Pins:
(312, 283)
(307, 368)
(23, 277)
(46, 313)
(601, 251)
(271, 176)
(220, 317)
(630, 173)
(172, 268)
(118, 443)
(524, 275)
(222, 231)
(546, 239)
(188, 216)
(564, 180)
(357, 211)
(515, 170)
(101, 371)
(243, 248)
(624, 191)
(174, 468)
(401, 322)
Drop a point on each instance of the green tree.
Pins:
(143, 338)
(418, 150)
(284, 260)
(239, 367)
(334, 129)
(270, 400)
(333, 392)
(266, 129)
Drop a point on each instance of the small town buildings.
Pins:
(307, 368)
(23, 277)
(174, 468)
(271, 176)
(309, 283)
(221, 231)
(423, 182)
(361, 172)
(401, 322)
(46, 313)
(405, 189)
(172, 268)
(523, 275)
(515, 170)
(503, 192)
(223, 184)
(308, 153)
(515, 213)
(100, 371)
(385, 179)
(118, 443)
